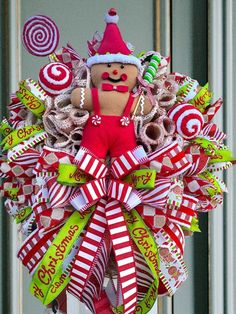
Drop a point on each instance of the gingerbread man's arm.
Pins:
(144, 105)
(82, 98)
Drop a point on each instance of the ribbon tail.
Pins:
(49, 278)
(88, 252)
(173, 271)
(123, 254)
(103, 304)
(147, 255)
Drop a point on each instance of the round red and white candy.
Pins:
(40, 35)
(55, 78)
(188, 119)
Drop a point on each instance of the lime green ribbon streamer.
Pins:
(33, 103)
(222, 155)
(148, 247)
(5, 128)
(202, 99)
(142, 179)
(71, 175)
(25, 212)
(20, 135)
(216, 155)
(211, 178)
(49, 280)
(12, 193)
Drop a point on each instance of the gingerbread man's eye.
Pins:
(122, 66)
(109, 65)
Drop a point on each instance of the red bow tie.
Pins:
(117, 88)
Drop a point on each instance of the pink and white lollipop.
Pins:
(55, 78)
(188, 119)
(40, 35)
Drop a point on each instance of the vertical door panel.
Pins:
(189, 56)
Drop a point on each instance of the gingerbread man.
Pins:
(110, 101)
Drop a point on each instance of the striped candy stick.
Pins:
(152, 69)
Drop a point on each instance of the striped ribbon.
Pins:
(89, 249)
(95, 285)
(89, 194)
(146, 244)
(124, 255)
(184, 214)
(119, 190)
(49, 278)
(210, 112)
(173, 271)
(108, 215)
(91, 165)
(169, 161)
(34, 247)
(129, 161)
(212, 131)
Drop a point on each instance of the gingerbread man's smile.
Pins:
(106, 76)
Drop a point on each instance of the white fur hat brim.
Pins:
(109, 58)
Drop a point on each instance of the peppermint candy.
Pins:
(40, 35)
(55, 78)
(188, 119)
(96, 120)
(125, 121)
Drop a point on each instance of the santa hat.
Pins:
(112, 47)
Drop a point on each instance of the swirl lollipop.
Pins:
(40, 35)
(189, 120)
(55, 78)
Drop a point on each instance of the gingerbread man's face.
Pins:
(114, 73)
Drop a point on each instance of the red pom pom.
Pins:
(112, 12)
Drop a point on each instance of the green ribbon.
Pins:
(202, 99)
(5, 128)
(49, 280)
(25, 212)
(207, 145)
(70, 175)
(33, 103)
(216, 155)
(194, 226)
(141, 54)
(222, 155)
(142, 179)
(146, 244)
(19, 135)
(219, 186)
(12, 193)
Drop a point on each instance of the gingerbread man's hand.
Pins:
(82, 98)
(142, 105)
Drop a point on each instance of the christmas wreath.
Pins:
(106, 163)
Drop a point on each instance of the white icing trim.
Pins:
(109, 58)
(111, 18)
(82, 98)
(142, 101)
